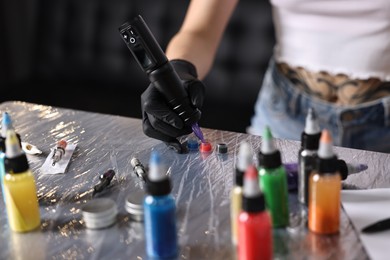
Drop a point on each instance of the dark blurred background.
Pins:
(68, 53)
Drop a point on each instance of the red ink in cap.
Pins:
(205, 147)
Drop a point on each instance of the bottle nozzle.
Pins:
(267, 145)
(6, 124)
(13, 148)
(325, 150)
(311, 125)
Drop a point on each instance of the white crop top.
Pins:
(337, 36)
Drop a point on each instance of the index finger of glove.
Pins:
(150, 131)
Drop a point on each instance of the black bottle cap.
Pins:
(310, 142)
(159, 188)
(2, 144)
(239, 178)
(343, 168)
(329, 165)
(270, 161)
(18, 164)
(253, 204)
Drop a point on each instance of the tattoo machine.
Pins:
(151, 58)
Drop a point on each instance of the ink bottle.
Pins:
(324, 190)
(159, 212)
(307, 154)
(244, 160)
(6, 124)
(19, 184)
(2, 169)
(273, 181)
(254, 221)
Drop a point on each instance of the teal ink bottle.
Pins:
(159, 213)
(307, 154)
(273, 181)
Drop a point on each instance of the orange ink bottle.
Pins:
(324, 190)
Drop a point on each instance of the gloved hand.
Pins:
(159, 120)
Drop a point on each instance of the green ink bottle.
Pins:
(273, 181)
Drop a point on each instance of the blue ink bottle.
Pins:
(159, 212)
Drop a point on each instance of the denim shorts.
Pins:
(283, 108)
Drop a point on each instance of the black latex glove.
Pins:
(159, 120)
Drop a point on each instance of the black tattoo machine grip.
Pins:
(151, 58)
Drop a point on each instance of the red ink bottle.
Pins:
(254, 221)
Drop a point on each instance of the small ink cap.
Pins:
(222, 148)
(205, 147)
(192, 144)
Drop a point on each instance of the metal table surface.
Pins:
(201, 187)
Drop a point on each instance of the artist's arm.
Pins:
(201, 32)
(195, 44)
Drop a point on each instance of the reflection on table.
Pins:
(201, 187)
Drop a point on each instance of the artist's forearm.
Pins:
(201, 32)
(193, 48)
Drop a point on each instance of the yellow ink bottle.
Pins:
(244, 160)
(19, 185)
